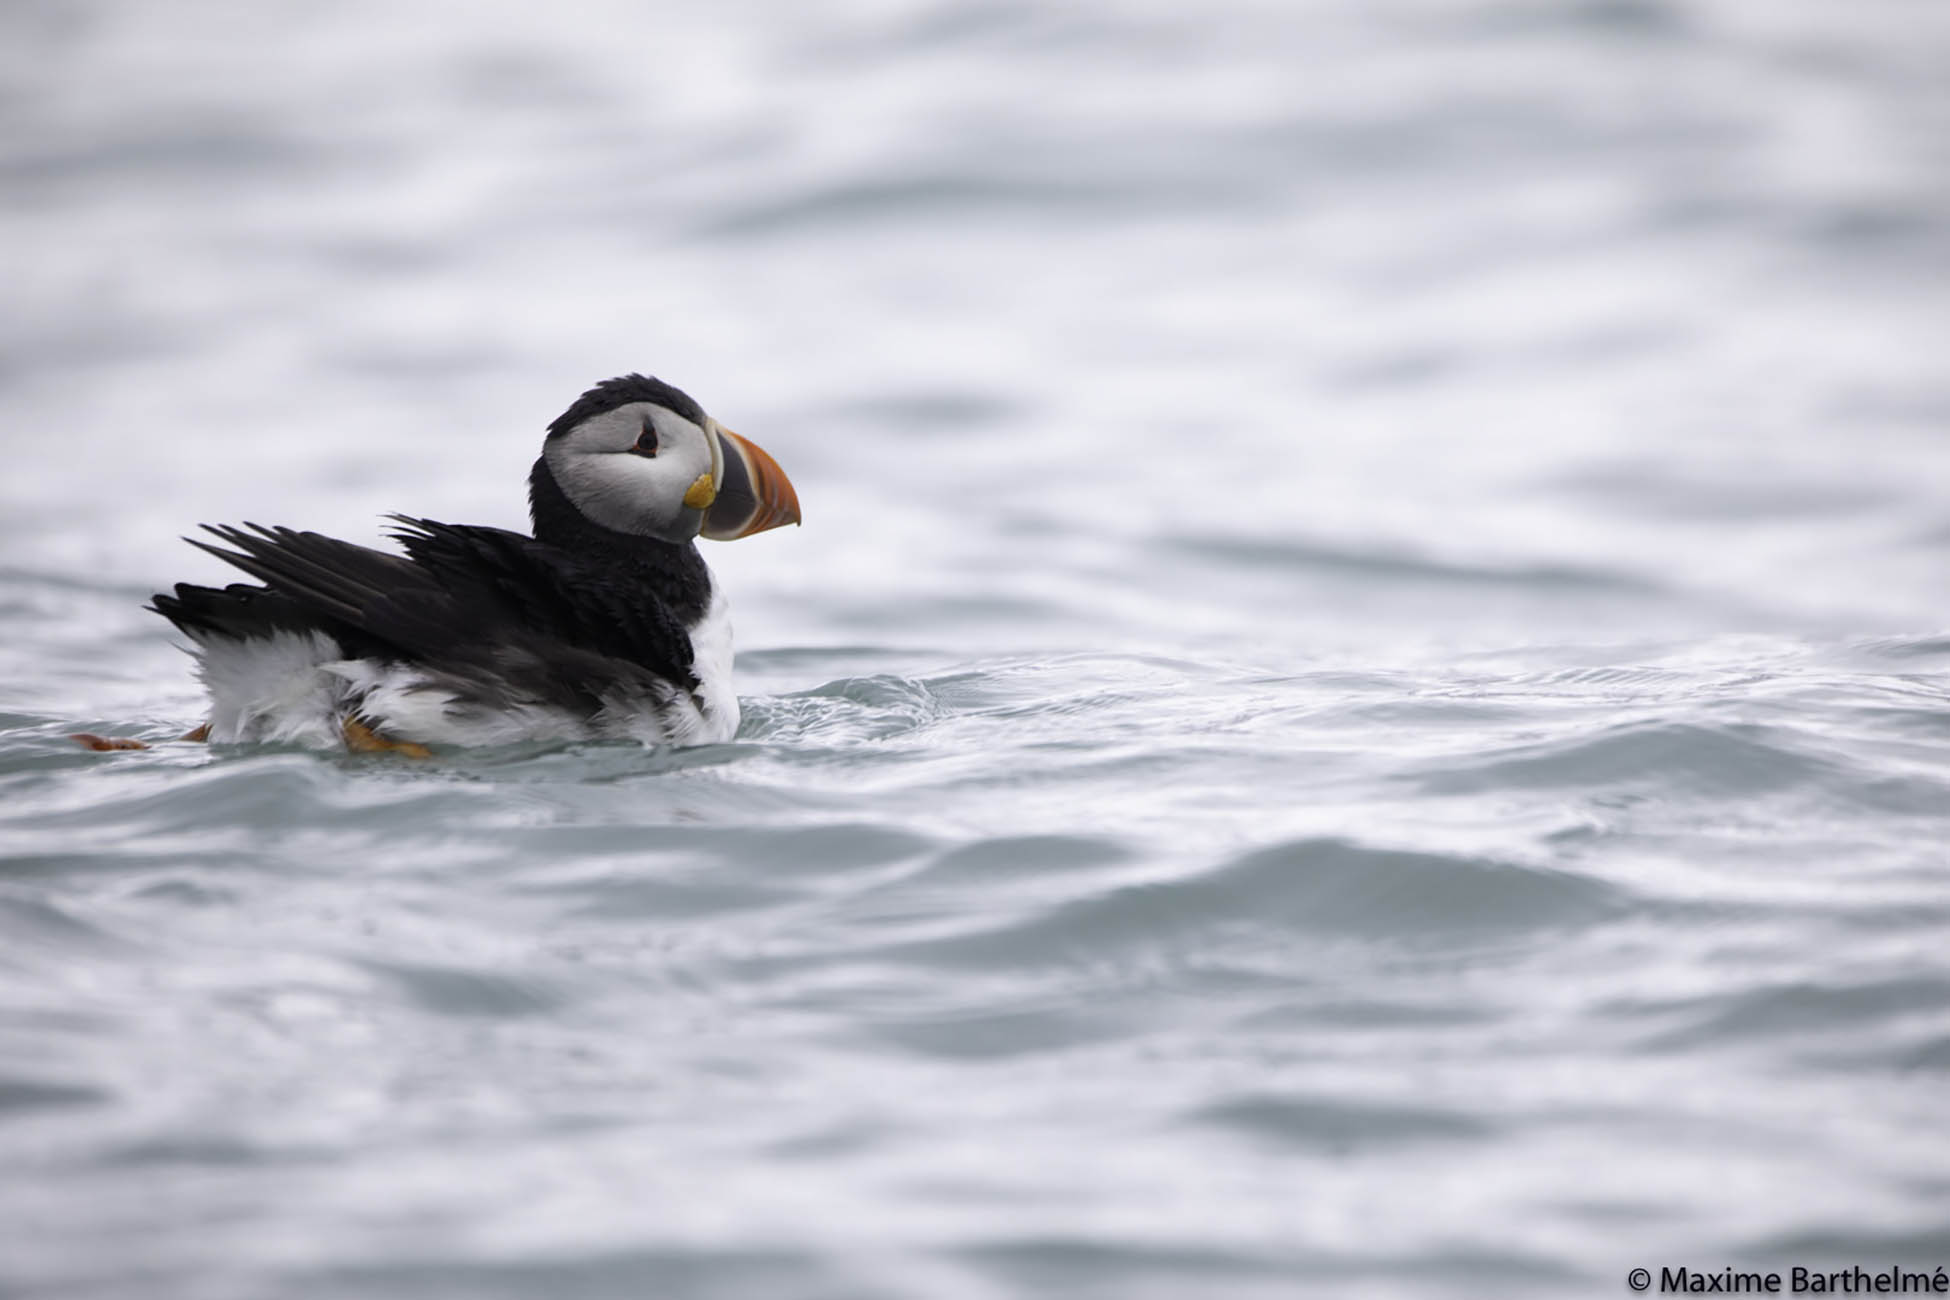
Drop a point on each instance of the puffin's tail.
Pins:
(240, 611)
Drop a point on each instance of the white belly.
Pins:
(298, 688)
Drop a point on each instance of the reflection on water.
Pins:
(1359, 709)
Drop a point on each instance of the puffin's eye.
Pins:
(646, 442)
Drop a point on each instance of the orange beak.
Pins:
(754, 496)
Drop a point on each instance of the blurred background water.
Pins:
(1360, 708)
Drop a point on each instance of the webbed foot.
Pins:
(103, 744)
(361, 739)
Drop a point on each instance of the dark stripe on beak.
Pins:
(755, 494)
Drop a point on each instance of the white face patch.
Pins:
(601, 472)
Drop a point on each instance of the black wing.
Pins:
(552, 591)
(464, 600)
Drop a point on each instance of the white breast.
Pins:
(711, 651)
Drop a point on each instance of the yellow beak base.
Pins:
(701, 493)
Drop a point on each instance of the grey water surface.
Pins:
(1362, 707)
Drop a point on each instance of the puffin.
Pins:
(605, 624)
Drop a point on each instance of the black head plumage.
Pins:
(621, 391)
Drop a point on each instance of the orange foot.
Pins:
(102, 744)
(361, 739)
(199, 734)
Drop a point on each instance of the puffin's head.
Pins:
(638, 456)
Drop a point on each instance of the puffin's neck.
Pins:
(673, 570)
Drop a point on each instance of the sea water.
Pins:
(1360, 708)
